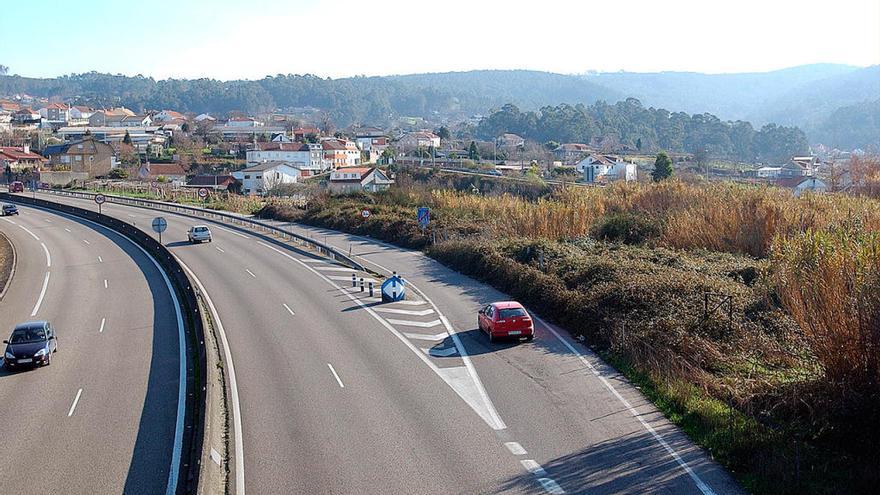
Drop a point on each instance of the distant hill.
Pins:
(808, 96)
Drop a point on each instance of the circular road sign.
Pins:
(365, 213)
(100, 199)
(159, 224)
(203, 192)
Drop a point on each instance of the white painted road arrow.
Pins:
(421, 336)
(410, 312)
(422, 324)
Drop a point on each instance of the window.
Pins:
(510, 313)
(247, 176)
(79, 158)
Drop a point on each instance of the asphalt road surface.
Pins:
(341, 394)
(102, 417)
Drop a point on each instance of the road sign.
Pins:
(424, 216)
(203, 192)
(100, 199)
(393, 289)
(159, 226)
(365, 213)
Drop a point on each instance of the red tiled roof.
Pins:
(277, 146)
(13, 153)
(157, 169)
(210, 180)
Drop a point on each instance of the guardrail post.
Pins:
(362, 284)
(371, 289)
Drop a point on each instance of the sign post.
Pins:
(393, 289)
(424, 216)
(100, 199)
(159, 226)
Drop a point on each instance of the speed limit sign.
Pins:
(100, 199)
(365, 213)
(203, 192)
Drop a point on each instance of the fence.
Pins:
(219, 216)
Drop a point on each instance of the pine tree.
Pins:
(662, 167)
(127, 138)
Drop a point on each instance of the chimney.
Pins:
(26, 148)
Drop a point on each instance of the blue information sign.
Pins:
(424, 216)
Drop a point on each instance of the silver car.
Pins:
(199, 233)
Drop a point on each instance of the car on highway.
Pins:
(199, 233)
(9, 209)
(31, 344)
(506, 319)
(16, 186)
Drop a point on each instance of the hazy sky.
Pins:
(229, 39)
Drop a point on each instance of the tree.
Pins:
(473, 154)
(127, 138)
(443, 133)
(639, 144)
(662, 167)
(185, 127)
(4, 70)
(118, 173)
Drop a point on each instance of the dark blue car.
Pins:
(31, 344)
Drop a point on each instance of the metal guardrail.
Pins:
(219, 216)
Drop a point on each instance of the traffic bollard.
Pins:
(371, 289)
(362, 284)
(353, 280)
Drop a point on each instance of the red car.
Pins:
(16, 186)
(506, 319)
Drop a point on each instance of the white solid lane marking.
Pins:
(231, 231)
(288, 309)
(533, 467)
(250, 273)
(334, 269)
(42, 295)
(335, 376)
(8, 220)
(233, 385)
(421, 324)
(87, 242)
(101, 330)
(100, 259)
(348, 279)
(462, 379)
(551, 486)
(65, 228)
(29, 232)
(515, 448)
(410, 312)
(312, 260)
(48, 256)
(219, 249)
(419, 336)
(105, 283)
(75, 402)
(703, 487)
(132, 216)
(46, 219)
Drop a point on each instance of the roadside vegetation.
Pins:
(749, 316)
(7, 258)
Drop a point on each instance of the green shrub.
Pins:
(628, 228)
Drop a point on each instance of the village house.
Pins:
(372, 142)
(26, 116)
(419, 139)
(167, 172)
(301, 133)
(80, 112)
(801, 185)
(509, 141)
(606, 168)
(262, 178)
(340, 153)
(20, 158)
(58, 113)
(243, 122)
(204, 117)
(308, 158)
(88, 156)
(353, 179)
(570, 152)
(214, 182)
(168, 116)
(5, 123)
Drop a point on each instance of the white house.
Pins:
(306, 157)
(352, 179)
(600, 168)
(800, 185)
(80, 112)
(264, 177)
(168, 115)
(420, 139)
(203, 116)
(340, 153)
(243, 122)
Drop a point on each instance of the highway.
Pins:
(341, 394)
(102, 417)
